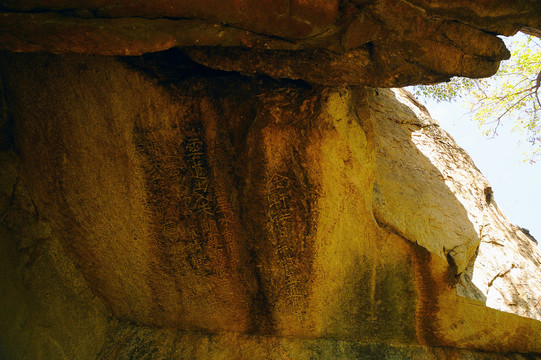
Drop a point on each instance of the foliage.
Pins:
(510, 96)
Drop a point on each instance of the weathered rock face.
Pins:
(205, 209)
(245, 195)
(380, 43)
(428, 190)
(252, 217)
(48, 310)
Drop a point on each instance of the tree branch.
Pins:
(537, 84)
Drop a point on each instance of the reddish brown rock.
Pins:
(376, 43)
(291, 20)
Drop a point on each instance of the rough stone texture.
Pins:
(183, 218)
(279, 18)
(250, 213)
(128, 342)
(409, 193)
(506, 269)
(428, 190)
(380, 43)
(47, 310)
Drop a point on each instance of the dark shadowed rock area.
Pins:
(236, 180)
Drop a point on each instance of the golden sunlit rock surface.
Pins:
(153, 208)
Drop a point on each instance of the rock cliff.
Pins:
(252, 197)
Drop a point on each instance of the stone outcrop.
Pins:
(235, 180)
(380, 43)
(165, 210)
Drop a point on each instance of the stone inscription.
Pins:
(191, 210)
(282, 216)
